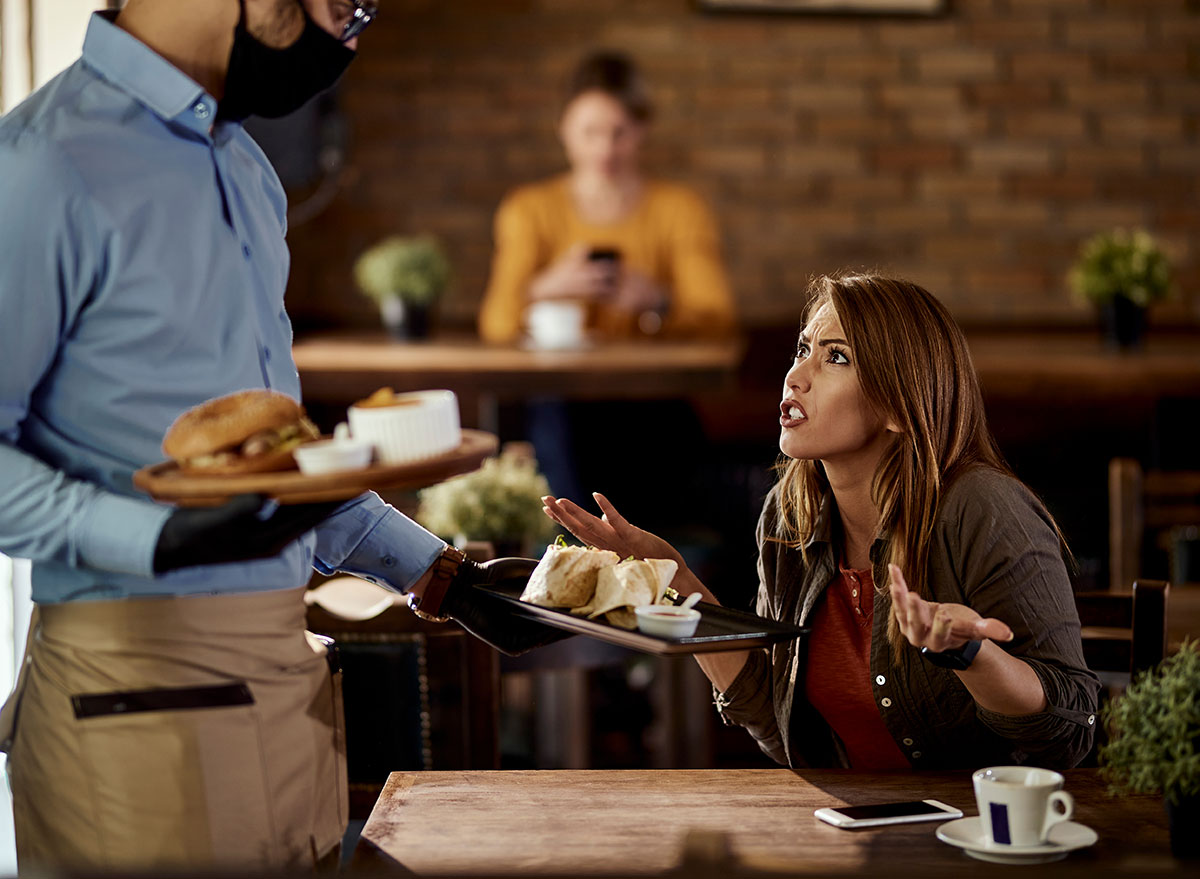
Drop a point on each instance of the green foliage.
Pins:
(500, 501)
(1121, 263)
(1155, 730)
(415, 269)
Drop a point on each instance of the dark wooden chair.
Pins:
(1146, 508)
(417, 696)
(1124, 632)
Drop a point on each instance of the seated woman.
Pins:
(642, 255)
(943, 625)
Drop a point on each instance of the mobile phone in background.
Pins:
(605, 254)
(609, 258)
(879, 814)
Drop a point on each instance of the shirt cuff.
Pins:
(373, 540)
(119, 534)
(747, 695)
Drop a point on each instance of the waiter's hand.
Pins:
(491, 619)
(243, 528)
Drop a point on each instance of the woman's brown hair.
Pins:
(614, 74)
(915, 370)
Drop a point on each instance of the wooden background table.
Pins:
(634, 822)
(343, 368)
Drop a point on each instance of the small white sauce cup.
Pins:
(666, 620)
(331, 456)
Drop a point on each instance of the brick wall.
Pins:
(971, 152)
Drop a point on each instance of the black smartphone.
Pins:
(604, 254)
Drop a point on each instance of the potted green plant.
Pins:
(405, 277)
(500, 502)
(1122, 273)
(1154, 743)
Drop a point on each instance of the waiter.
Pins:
(170, 712)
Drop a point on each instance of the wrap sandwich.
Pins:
(566, 575)
(629, 584)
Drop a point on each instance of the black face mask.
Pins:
(262, 81)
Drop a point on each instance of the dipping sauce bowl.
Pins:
(666, 620)
(330, 456)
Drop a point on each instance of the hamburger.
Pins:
(251, 431)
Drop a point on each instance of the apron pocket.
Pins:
(162, 699)
(178, 787)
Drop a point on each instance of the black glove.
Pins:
(491, 619)
(233, 532)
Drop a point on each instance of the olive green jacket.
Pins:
(994, 550)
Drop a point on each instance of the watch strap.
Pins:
(428, 606)
(960, 658)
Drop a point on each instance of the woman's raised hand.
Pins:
(609, 531)
(936, 625)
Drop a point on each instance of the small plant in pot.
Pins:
(501, 502)
(1122, 273)
(1154, 743)
(405, 277)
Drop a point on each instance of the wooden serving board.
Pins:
(165, 481)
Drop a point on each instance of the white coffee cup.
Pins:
(555, 324)
(1016, 804)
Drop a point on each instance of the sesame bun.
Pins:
(208, 437)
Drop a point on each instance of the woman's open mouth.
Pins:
(791, 415)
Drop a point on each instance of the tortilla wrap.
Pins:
(566, 576)
(627, 585)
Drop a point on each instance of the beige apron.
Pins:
(200, 732)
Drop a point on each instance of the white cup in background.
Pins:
(1017, 804)
(555, 324)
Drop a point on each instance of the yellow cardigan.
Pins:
(671, 237)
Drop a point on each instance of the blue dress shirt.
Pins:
(142, 271)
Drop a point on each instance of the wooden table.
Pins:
(636, 823)
(347, 366)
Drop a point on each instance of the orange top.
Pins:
(671, 237)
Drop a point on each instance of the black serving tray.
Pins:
(720, 628)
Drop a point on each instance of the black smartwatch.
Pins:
(960, 658)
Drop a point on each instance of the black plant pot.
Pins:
(416, 323)
(1124, 323)
(1184, 823)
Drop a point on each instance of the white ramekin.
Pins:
(667, 620)
(330, 456)
(419, 425)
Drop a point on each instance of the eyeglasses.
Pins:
(364, 13)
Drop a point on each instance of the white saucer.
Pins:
(968, 834)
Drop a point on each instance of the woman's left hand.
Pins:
(936, 625)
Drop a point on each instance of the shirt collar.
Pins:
(135, 68)
(823, 528)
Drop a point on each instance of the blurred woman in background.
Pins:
(642, 256)
(899, 536)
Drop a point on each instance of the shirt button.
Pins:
(388, 561)
(854, 592)
(885, 702)
(916, 755)
(245, 250)
(1091, 719)
(880, 679)
(267, 354)
(907, 742)
(201, 110)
